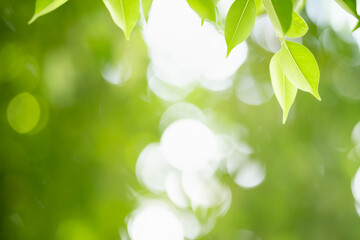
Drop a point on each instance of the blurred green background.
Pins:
(73, 175)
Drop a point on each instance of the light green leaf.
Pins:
(260, 9)
(284, 91)
(204, 8)
(280, 12)
(43, 7)
(146, 5)
(298, 27)
(349, 6)
(300, 67)
(239, 22)
(125, 13)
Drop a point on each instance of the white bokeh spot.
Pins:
(189, 145)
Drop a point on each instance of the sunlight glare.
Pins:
(180, 111)
(331, 14)
(191, 225)
(357, 208)
(152, 169)
(265, 35)
(154, 221)
(355, 186)
(165, 90)
(223, 8)
(253, 92)
(355, 135)
(250, 175)
(175, 190)
(204, 191)
(189, 145)
(185, 53)
(117, 74)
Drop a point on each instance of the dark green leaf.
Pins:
(357, 26)
(280, 13)
(349, 6)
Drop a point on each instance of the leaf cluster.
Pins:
(293, 67)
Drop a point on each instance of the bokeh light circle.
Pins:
(154, 221)
(355, 185)
(189, 145)
(152, 169)
(250, 175)
(185, 53)
(23, 113)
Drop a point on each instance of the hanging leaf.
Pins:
(300, 67)
(239, 22)
(298, 27)
(125, 13)
(284, 91)
(280, 12)
(349, 6)
(146, 5)
(206, 9)
(260, 9)
(43, 7)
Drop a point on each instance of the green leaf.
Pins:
(349, 6)
(357, 26)
(280, 12)
(125, 14)
(146, 5)
(300, 67)
(260, 9)
(284, 91)
(239, 22)
(43, 7)
(298, 27)
(298, 5)
(206, 9)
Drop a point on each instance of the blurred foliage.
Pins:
(73, 175)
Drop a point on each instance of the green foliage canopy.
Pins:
(297, 62)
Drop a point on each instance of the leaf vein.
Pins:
(232, 39)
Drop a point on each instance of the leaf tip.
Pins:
(228, 51)
(284, 120)
(317, 96)
(32, 20)
(285, 115)
(127, 35)
(357, 26)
